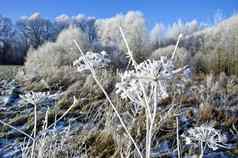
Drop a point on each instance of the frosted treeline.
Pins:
(34, 30)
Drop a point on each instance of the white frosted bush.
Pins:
(66, 37)
(48, 60)
(182, 56)
(134, 25)
(181, 27)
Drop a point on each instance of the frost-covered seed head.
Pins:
(95, 60)
(35, 98)
(205, 134)
(148, 74)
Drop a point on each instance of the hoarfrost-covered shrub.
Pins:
(182, 56)
(133, 24)
(215, 48)
(52, 59)
(66, 37)
(90, 89)
(181, 27)
(199, 63)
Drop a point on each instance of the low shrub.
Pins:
(52, 61)
(182, 55)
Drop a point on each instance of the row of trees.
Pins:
(32, 31)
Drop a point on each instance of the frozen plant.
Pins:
(35, 99)
(207, 137)
(96, 60)
(147, 74)
(147, 84)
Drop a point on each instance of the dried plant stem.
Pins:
(18, 130)
(150, 116)
(151, 126)
(62, 116)
(202, 149)
(177, 132)
(34, 131)
(108, 98)
(180, 36)
(128, 48)
(35, 121)
(33, 148)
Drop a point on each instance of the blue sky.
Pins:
(166, 11)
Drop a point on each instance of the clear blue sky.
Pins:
(166, 11)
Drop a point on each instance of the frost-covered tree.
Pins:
(8, 53)
(36, 30)
(6, 33)
(185, 28)
(157, 34)
(133, 23)
(86, 24)
(62, 22)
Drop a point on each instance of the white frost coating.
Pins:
(148, 74)
(207, 135)
(38, 97)
(96, 60)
